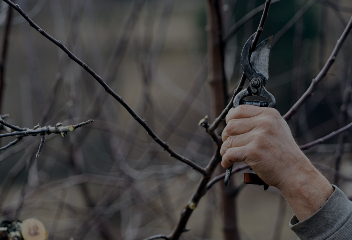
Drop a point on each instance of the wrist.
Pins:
(305, 188)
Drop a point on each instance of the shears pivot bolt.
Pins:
(255, 82)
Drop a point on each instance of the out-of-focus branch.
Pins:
(5, 46)
(330, 135)
(342, 121)
(109, 91)
(338, 13)
(193, 202)
(321, 74)
(244, 19)
(159, 236)
(332, 171)
(337, 6)
(293, 20)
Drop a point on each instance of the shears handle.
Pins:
(251, 178)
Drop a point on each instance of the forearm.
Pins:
(260, 138)
(305, 188)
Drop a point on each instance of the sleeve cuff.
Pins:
(328, 220)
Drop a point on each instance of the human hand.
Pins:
(261, 138)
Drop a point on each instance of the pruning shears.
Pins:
(256, 69)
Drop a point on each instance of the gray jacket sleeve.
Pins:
(332, 221)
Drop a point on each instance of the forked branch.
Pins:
(107, 88)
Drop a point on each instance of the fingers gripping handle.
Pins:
(251, 178)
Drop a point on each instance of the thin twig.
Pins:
(321, 74)
(14, 142)
(261, 25)
(63, 130)
(244, 19)
(330, 135)
(160, 236)
(109, 91)
(13, 127)
(42, 141)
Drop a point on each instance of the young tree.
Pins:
(110, 179)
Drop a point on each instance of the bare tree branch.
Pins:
(4, 50)
(109, 91)
(160, 236)
(330, 135)
(321, 74)
(14, 142)
(63, 130)
(42, 141)
(233, 30)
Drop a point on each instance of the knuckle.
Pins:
(230, 115)
(273, 113)
(254, 153)
(231, 126)
(226, 160)
(241, 110)
(230, 142)
(266, 124)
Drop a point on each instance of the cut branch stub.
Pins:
(33, 229)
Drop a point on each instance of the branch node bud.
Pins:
(192, 206)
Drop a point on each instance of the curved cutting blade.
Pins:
(246, 65)
(260, 58)
(259, 61)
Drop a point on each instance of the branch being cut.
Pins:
(321, 74)
(244, 19)
(109, 91)
(239, 87)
